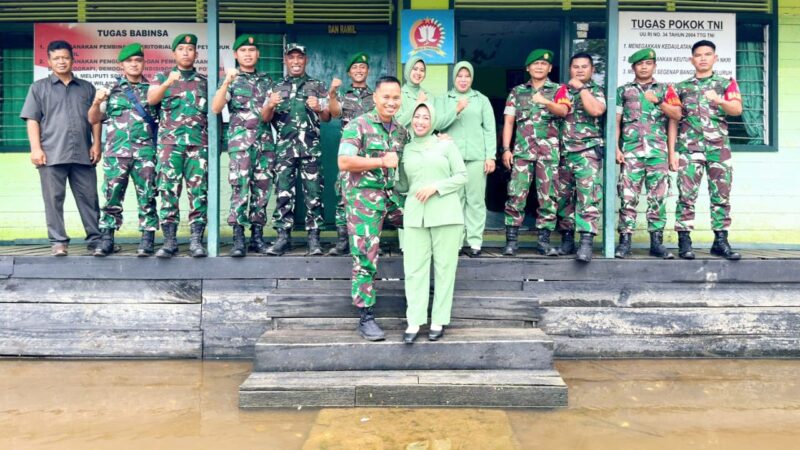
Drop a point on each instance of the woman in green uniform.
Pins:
(413, 94)
(431, 173)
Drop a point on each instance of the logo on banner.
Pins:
(427, 34)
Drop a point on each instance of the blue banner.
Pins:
(428, 34)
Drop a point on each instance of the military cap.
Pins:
(184, 39)
(539, 54)
(245, 39)
(129, 50)
(641, 55)
(294, 46)
(359, 57)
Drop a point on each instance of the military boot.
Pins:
(239, 248)
(342, 246)
(584, 253)
(281, 245)
(170, 247)
(624, 247)
(314, 248)
(196, 248)
(368, 328)
(657, 247)
(257, 244)
(722, 248)
(512, 234)
(106, 245)
(543, 244)
(146, 244)
(567, 242)
(685, 245)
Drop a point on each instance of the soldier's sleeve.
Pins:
(447, 111)
(350, 144)
(599, 94)
(620, 91)
(159, 79)
(489, 129)
(32, 108)
(511, 104)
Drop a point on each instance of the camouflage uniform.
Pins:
(355, 101)
(130, 152)
(183, 146)
(703, 145)
(579, 175)
(644, 145)
(298, 148)
(535, 155)
(250, 149)
(370, 197)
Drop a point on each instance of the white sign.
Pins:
(672, 35)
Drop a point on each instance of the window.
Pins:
(752, 74)
(16, 75)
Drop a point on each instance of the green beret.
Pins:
(536, 55)
(184, 39)
(245, 39)
(641, 55)
(129, 50)
(359, 57)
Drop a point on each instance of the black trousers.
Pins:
(83, 184)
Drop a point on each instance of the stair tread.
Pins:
(310, 338)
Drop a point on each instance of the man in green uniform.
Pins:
(130, 150)
(295, 108)
(250, 147)
(703, 145)
(580, 190)
(535, 108)
(182, 145)
(349, 104)
(370, 152)
(644, 107)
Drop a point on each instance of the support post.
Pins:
(213, 129)
(610, 164)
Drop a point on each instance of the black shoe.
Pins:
(146, 244)
(473, 252)
(170, 247)
(624, 247)
(196, 248)
(368, 328)
(238, 249)
(314, 248)
(567, 242)
(342, 246)
(685, 245)
(409, 338)
(106, 245)
(657, 247)
(512, 234)
(257, 244)
(435, 335)
(584, 253)
(281, 245)
(722, 248)
(543, 246)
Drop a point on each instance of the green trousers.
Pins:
(421, 245)
(473, 201)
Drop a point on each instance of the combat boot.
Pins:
(685, 245)
(196, 248)
(543, 244)
(257, 244)
(624, 247)
(657, 247)
(512, 234)
(342, 246)
(146, 244)
(106, 245)
(722, 248)
(314, 248)
(170, 247)
(281, 245)
(238, 249)
(567, 242)
(584, 253)
(368, 328)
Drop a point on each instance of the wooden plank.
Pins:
(232, 339)
(16, 290)
(283, 303)
(342, 397)
(101, 343)
(336, 285)
(236, 300)
(660, 346)
(469, 396)
(55, 316)
(387, 323)
(6, 266)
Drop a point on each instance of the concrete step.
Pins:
(423, 388)
(459, 349)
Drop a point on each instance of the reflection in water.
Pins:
(641, 405)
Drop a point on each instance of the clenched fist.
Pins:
(231, 74)
(390, 160)
(173, 77)
(651, 96)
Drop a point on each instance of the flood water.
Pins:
(614, 405)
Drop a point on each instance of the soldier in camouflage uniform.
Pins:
(370, 152)
(535, 110)
(644, 107)
(295, 108)
(130, 150)
(250, 147)
(580, 190)
(355, 100)
(703, 145)
(182, 146)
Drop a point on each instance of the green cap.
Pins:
(641, 55)
(359, 57)
(245, 39)
(294, 47)
(184, 39)
(539, 54)
(129, 50)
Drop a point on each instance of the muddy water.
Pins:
(614, 405)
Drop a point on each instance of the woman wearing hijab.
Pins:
(413, 94)
(431, 173)
(472, 127)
